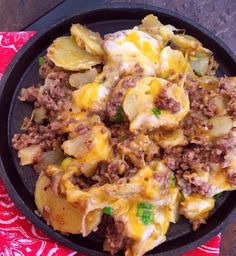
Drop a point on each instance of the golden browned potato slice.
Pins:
(65, 53)
(87, 39)
(172, 138)
(196, 208)
(29, 154)
(55, 209)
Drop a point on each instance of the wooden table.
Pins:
(218, 16)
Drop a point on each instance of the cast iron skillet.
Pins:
(23, 71)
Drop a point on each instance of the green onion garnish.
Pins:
(218, 195)
(172, 181)
(107, 210)
(144, 205)
(156, 111)
(145, 212)
(119, 116)
(40, 61)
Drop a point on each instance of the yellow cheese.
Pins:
(85, 97)
(146, 48)
(139, 102)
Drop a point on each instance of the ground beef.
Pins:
(227, 87)
(118, 94)
(196, 159)
(231, 107)
(82, 182)
(182, 158)
(194, 125)
(164, 180)
(120, 132)
(163, 101)
(49, 67)
(49, 137)
(30, 94)
(172, 157)
(110, 171)
(191, 85)
(185, 186)
(53, 95)
(113, 232)
(138, 149)
(190, 185)
(201, 100)
(82, 129)
(231, 176)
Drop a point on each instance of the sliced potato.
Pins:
(89, 148)
(139, 98)
(65, 53)
(155, 28)
(196, 208)
(55, 209)
(220, 103)
(186, 43)
(219, 177)
(30, 154)
(40, 114)
(150, 21)
(208, 82)
(87, 39)
(221, 125)
(172, 62)
(138, 104)
(48, 158)
(200, 63)
(172, 138)
(78, 79)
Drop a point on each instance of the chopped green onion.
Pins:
(144, 205)
(145, 212)
(107, 210)
(40, 61)
(119, 116)
(166, 77)
(218, 195)
(156, 111)
(145, 220)
(172, 181)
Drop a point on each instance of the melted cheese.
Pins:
(124, 198)
(129, 49)
(172, 62)
(90, 96)
(139, 102)
(89, 148)
(99, 150)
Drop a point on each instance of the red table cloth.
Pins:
(19, 237)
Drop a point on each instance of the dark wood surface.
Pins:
(219, 16)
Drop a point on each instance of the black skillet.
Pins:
(23, 71)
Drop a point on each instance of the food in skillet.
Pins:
(128, 132)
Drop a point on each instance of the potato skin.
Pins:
(61, 215)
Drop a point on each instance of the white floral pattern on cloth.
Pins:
(19, 237)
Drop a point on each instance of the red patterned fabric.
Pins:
(18, 237)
